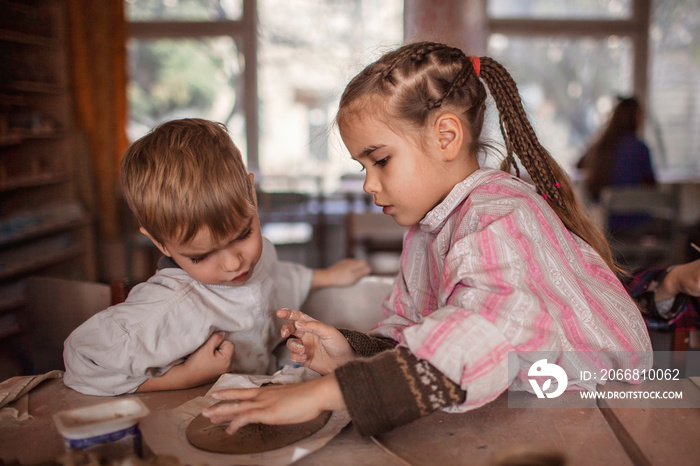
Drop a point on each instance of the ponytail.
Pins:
(421, 77)
(549, 178)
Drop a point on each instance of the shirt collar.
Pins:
(436, 218)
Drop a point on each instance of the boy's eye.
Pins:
(245, 235)
(382, 162)
(198, 259)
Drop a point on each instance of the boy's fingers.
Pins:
(226, 348)
(215, 339)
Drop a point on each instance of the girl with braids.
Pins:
(490, 264)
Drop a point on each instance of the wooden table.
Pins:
(490, 435)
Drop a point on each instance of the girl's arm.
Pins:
(380, 393)
(393, 388)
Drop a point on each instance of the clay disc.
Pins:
(253, 438)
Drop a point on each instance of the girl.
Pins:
(490, 264)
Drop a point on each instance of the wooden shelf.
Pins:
(15, 137)
(46, 228)
(36, 180)
(38, 87)
(34, 264)
(9, 35)
(12, 303)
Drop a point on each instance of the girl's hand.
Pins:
(276, 404)
(318, 346)
(344, 273)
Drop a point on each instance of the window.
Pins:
(187, 58)
(290, 60)
(674, 85)
(571, 59)
(303, 66)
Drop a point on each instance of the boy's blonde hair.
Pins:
(186, 175)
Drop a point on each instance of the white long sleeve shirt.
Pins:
(171, 315)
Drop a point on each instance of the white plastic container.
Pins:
(109, 429)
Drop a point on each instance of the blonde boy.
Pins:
(210, 307)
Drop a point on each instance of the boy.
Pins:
(210, 307)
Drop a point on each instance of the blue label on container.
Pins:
(86, 443)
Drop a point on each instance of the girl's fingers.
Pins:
(294, 315)
(287, 329)
(313, 326)
(244, 419)
(236, 394)
(295, 346)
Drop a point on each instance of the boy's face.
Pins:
(230, 262)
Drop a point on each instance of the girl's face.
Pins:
(405, 180)
(230, 262)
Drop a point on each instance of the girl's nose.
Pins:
(371, 185)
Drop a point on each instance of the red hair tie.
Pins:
(476, 63)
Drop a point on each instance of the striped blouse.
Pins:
(492, 270)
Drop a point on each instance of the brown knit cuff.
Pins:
(393, 388)
(365, 345)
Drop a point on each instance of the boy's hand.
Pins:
(211, 359)
(318, 346)
(205, 365)
(344, 273)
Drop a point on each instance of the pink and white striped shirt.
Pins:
(492, 269)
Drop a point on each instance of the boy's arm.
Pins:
(343, 273)
(205, 365)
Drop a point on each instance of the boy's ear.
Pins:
(162, 248)
(251, 177)
(450, 135)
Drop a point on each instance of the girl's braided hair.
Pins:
(418, 78)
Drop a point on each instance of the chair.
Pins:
(375, 237)
(654, 243)
(356, 307)
(55, 307)
(292, 217)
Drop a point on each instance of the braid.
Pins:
(518, 133)
(549, 178)
(421, 77)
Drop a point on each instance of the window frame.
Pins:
(244, 32)
(636, 28)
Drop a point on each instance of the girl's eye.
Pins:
(382, 162)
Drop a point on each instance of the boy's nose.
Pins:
(232, 260)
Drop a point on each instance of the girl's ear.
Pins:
(450, 135)
(161, 247)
